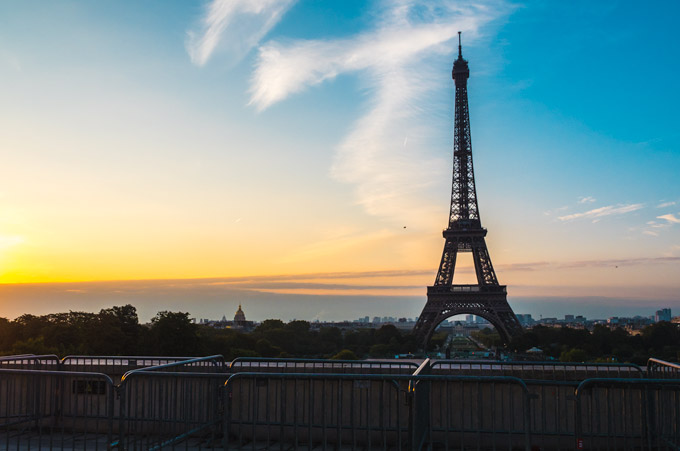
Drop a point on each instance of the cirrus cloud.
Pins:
(600, 212)
(240, 24)
(389, 171)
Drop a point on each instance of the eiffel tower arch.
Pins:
(487, 298)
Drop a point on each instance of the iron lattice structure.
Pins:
(465, 233)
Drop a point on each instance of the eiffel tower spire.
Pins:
(465, 233)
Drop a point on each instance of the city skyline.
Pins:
(270, 150)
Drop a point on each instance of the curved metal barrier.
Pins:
(538, 370)
(42, 409)
(631, 414)
(114, 365)
(270, 410)
(660, 369)
(30, 362)
(286, 365)
(199, 404)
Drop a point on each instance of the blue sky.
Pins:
(189, 140)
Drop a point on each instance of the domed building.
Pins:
(239, 318)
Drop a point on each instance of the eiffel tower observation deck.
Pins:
(487, 298)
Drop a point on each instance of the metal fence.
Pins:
(30, 362)
(114, 365)
(628, 414)
(292, 365)
(557, 371)
(55, 410)
(200, 404)
(174, 403)
(338, 411)
(660, 369)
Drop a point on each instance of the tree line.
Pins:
(117, 331)
(602, 344)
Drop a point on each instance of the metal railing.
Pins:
(537, 370)
(114, 365)
(268, 410)
(628, 414)
(334, 411)
(199, 404)
(30, 362)
(178, 402)
(660, 369)
(258, 364)
(42, 409)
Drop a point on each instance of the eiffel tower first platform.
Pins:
(465, 233)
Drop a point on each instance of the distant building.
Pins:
(525, 319)
(662, 315)
(239, 317)
(569, 318)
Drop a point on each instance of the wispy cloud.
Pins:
(609, 210)
(389, 171)
(665, 204)
(239, 24)
(586, 200)
(605, 263)
(670, 218)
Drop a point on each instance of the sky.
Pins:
(296, 156)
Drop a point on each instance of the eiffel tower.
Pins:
(465, 233)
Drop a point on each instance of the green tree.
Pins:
(345, 354)
(173, 334)
(574, 355)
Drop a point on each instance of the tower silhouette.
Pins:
(465, 233)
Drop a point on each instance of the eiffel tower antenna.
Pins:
(487, 298)
(460, 47)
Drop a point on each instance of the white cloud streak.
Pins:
(586, 200)
(609, 210)
(670, 218)
(390, 177)
(238, 24)
(665, 204)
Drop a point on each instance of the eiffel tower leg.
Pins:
(427, 323)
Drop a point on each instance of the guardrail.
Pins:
(30, 362)
(628, 414)
(198, 404)
(269, 410)
(538, 370)
(114, 365)
(660, 369)
(178, 402)
(266, 410)
(258, 364)
(55, 410)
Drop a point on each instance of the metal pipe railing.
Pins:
(280, 365)
(660, 369)
(197, 403)
(628, 414)
(30, 361)
(215, 362)
(538, 370)
(42, 409)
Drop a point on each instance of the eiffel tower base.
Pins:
(489, 303)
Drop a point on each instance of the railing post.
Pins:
(121, 415)
(419, 407)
